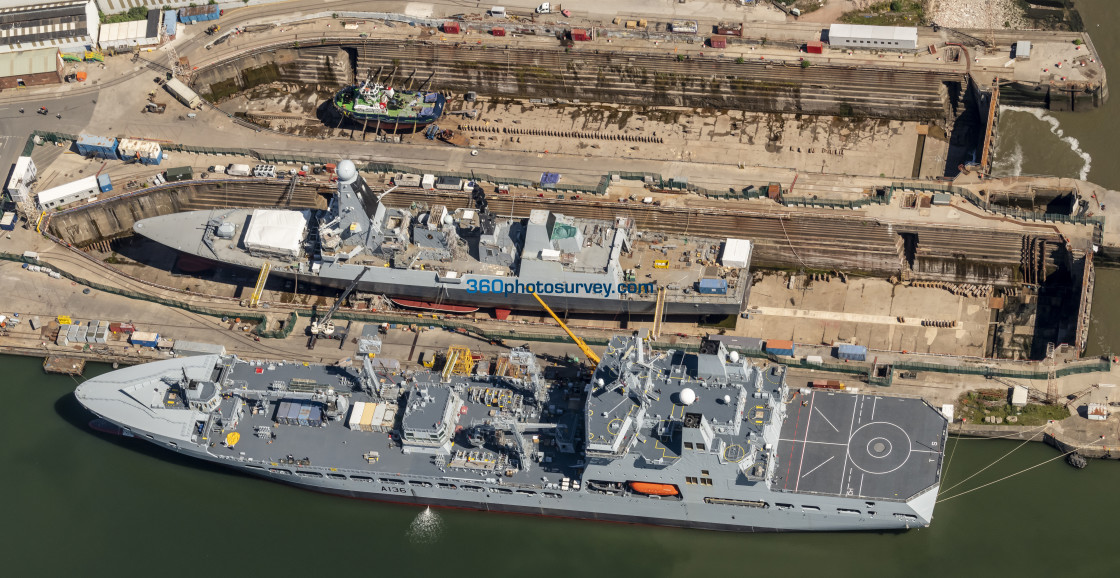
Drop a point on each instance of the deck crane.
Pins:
(323, 327)
(579, 342)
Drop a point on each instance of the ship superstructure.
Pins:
(465, 256)
(705, 440)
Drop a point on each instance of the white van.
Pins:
(498, 11)
(218, 170)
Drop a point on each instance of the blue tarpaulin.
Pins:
(550, 178)
(431, 97)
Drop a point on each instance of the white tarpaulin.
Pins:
(276, 232)
(737, 253)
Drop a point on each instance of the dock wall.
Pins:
(599, 76)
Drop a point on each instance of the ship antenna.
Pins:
(387, 191)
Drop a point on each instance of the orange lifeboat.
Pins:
(652, 489)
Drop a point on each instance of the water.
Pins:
(79, 501)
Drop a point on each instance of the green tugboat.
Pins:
(371, 102)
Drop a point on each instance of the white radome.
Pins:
(347, 172)
(688, 397)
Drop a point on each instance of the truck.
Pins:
(548, 8)
(239, 170)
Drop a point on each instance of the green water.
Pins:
(81, 501)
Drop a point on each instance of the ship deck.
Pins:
(860, 445)
(334, 445)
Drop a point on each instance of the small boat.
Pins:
(652, 489)
(429, 306)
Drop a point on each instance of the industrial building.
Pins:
(124, 36)
(23, 174)
(30, 68)
(67, 26)
(873, 37)
(72, 192)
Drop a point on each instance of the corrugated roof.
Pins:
(865, 31)
(135, 30)
(28, 62)
(45, 22)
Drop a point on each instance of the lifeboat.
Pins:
(652, 489)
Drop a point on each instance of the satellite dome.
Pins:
(727, 400)
(347, 172)
(688, 397)
(734, 357)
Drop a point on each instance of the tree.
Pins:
(896, 5)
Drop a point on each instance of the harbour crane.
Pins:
(579, 342)
(324, 327)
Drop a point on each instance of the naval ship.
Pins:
(705, 440)
(467, 257)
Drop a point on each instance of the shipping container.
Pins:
(144, 152)
(449, 183)
(717, 41)
(496, 31)
(92, 146)
(814, 47)
(144, 339)
(814, 359)
(8, 222)
(179, 174)
(183, 93)
(713, 286)
(684, 27)
(293, 413)
(355, 415)
(827, 384)
(282, 412)
(406, 180)
(580, 35)
(779, 347)
(315, 417)
(851, 352)
(428, 182)
(378, 417)
(304, 415)
(104, 184)
(388, 420)
(366, 424)
(451, 27)
(193, 14)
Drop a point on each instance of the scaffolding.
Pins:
(458, 362)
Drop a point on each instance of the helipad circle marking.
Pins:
(879, 447)
(881, 431)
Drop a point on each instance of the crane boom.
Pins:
(326, 318)
(579, 342)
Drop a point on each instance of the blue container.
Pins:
(101, 147)
(315, 417)
(193, 14)
(851, 352)
(143, 343)
(104, 184)
(713, 286)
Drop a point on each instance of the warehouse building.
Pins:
(68, 26)
(23, 174)
(72, 192)
(30, 68)
(873, 37)
(125, 36)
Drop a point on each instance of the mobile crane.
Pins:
(324, 327)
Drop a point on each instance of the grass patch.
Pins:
(974, 406)
(888, 13)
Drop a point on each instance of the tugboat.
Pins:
(372, 103)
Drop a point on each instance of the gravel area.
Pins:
(974, 14)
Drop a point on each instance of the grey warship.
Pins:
(467, 257)
(703, 440)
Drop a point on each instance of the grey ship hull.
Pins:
(590, 507)
(124, 398)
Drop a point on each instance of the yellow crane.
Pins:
(579, 342)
